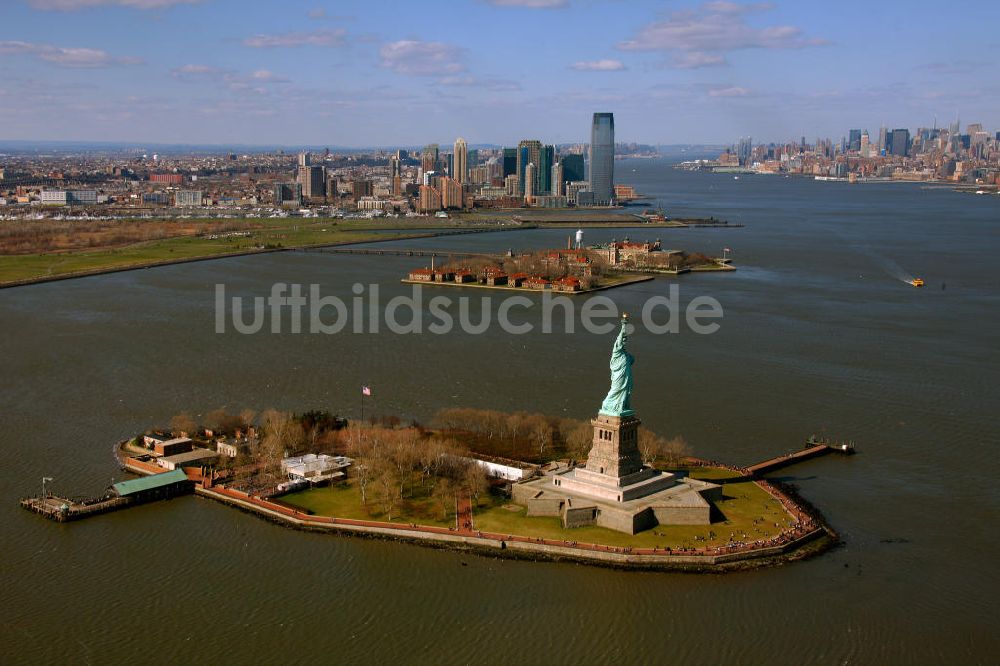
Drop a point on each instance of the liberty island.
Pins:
(606, 508)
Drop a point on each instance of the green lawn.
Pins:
(343, 500)
(742, 504)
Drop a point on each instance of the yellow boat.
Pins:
(917, 282)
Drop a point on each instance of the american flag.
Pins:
(366, 390)
(726, 249)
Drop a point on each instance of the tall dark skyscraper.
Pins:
(899, 142)
(573, 167)
(509, 161)
(546, 158)
(854, 140)
(602, 157)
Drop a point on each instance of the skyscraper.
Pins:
(312, 179)
(527, 153)
(396, 175)
(602, 157)
(573, 167)
(557, 179)
(509, 162)
(744, 149)
(461, 161)
(305, 159)
(429, 158)
(900, 142)
(546, 157)
(530, 176)
(854, 140)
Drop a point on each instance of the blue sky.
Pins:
(364, 73)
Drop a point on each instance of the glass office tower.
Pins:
(602, 158)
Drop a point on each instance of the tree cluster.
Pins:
(393, 464)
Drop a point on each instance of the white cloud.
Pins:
(469, 81)
(255, 83)
(318, 14)
(180, 72)
(731, 91)
(697, 59)
(72, 5)
(605, 65)
(530, 4)
(702, 35)
(268, 76)
(291, 39)
(67, 57)
(422, 58)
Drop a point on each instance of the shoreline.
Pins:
(431, 233)
(474, 285)
(714, 560)
(428, 232)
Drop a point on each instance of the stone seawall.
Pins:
(806, 545)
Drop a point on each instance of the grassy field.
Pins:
(343, 500)
(746, 512)
(283, 232)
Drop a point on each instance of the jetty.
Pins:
(64, 509)
(813, 449)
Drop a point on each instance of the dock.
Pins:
(156, 486)
(62, 509)
(812, 450)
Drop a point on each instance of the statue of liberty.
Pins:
(619, 400)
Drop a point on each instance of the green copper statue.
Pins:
(619, 400)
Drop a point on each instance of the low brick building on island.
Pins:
(153, 487)
(422, 275)
(194, 458)
(493, 276)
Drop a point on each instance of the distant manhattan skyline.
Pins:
(356, 74)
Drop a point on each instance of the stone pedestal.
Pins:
(615, 449)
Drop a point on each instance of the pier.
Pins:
(812, 450)
(62, 509)
(157, 486)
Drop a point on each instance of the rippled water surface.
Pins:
(819, 336)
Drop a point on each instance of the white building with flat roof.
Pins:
(316, 468)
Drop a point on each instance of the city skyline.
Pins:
(346, 74)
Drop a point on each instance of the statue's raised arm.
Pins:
(619, 399)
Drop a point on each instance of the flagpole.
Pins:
(362, 404)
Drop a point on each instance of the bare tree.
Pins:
(651, 446)
(386, 481)
(541, 432)
(578, 436)
(676, 450)
(444, 494)
(282, 433)
(476, 480)
(247, 417)
(182, 424)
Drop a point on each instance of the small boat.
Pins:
(917, 282)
